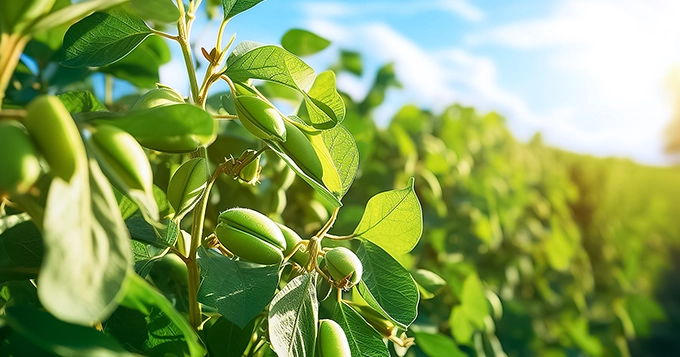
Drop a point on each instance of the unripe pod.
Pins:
(331, 340)
(56, 134)
(379, 322)
(250, 174)
(18, 159)
(157, 98)
(344, 267)
(258, 116)
(186, 185)
(298, 147)
(122, 158)
(251, 235)
(292, 239)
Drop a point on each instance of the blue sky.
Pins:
(591, 75)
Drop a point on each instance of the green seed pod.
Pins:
(331, 340)
(344, 267)
(375, 319)
(292, 239)
(18, 159)
(122, 158)
(250, 174)
(251, 235)
(157, 98)
(258, 116)
(187, 185)
(56, 135)
(298, 147)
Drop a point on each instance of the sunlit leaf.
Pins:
(303, 42)
(393, 220)
(293, 318)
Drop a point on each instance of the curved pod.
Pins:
(18, 159)
(331, 340)
(251, 236)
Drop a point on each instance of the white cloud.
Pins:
(618, 54)
(461, 8)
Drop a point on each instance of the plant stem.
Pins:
(185, 45)
(196, 238)
(11, 47)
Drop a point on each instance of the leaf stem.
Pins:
(328, 224)
(334, 237)
(225, 116)
(166, 35)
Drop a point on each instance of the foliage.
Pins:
(525, 250)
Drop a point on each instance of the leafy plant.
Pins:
(128, 209)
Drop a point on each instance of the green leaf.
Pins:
(174, 128)
(103, 38)
(270, 63)
(363, 339)
(350, 61)
(461, 327)
(81, 101)
(140, 67)
(437, 345)
(473, 301)
(323, 102)
(142, 231)
(21, 252)
(344, 152)
(234, 7)
(387, 286)
(87, 249)
(293, 318)
(302, 42)
(238, 289)
(59, 337)
(163, 321)
(156, 10)
(72, 13)
(224, 338)
(393, 220)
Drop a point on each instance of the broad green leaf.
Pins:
(363, 339)
(293, 318)
(331, 177)
(270, 63)
(387, 286)
(156, 10)
(81, 101)
(59, 337)
(322, 102)
(238, 289)
(144, 256)
(437, 345)
(393, 220)
(224, 338)
(344, 152)
(174, 128)
(234, 7)
(163, 321)
(103, 38)
(82, 226)
(16, 16)
(350, 61)
(302, 42)
(140, 67)
(21, 252)
(461, 327)
(473, 301)
(142, 231)
(71, 13)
